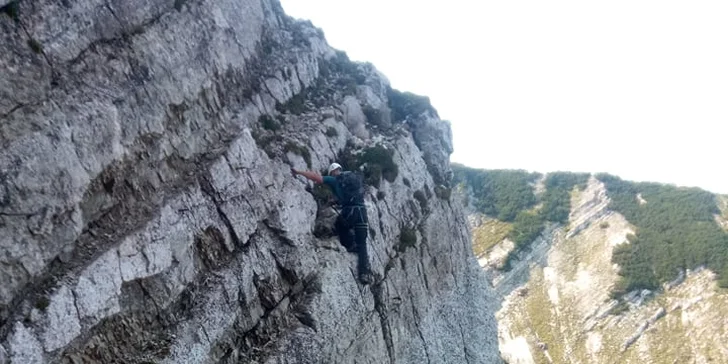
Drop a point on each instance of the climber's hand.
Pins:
(294, 172)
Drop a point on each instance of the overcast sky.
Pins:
(634, 88)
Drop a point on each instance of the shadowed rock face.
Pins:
(147, 212)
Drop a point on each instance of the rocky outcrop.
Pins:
(147, 212)
(592, 206)
(505, 282)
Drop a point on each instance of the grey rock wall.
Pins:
(147, 211)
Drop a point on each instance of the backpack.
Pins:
(352, 188)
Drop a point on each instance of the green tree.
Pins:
(676, 230)
(527, 226)
(557, 198)
(501, 194)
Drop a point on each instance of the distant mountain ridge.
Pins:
(621, 279)
(679, 230)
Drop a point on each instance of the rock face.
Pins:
(147, 211)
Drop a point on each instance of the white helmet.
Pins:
(333, 167)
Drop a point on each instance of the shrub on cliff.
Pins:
(377, 162)
(403, 104)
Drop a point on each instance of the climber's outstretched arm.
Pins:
(313, 176)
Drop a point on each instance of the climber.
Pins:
(349, 191)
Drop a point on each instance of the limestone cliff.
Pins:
(147, 211)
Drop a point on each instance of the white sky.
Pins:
(634, 88)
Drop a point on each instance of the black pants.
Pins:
(352, 226)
